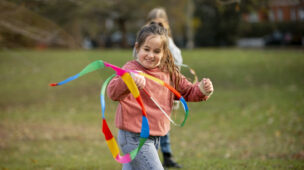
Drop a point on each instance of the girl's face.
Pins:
(150, 53)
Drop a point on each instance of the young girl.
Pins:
(154, 58)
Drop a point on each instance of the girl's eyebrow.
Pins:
(147, 46)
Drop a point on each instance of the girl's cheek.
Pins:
(139, 60)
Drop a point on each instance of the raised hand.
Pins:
(206, 86)
(139, 80)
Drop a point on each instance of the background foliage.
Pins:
(67, 24)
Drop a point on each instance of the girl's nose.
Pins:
(150, 55)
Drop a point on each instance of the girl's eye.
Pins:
(146, 49)
(157, 51)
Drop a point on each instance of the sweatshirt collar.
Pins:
(152, 69)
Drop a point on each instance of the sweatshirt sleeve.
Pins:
(176, 52)
(117, 89)
(190, 92)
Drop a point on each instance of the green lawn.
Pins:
(254, 120)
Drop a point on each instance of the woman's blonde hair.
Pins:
(159, 15)
(167, 61)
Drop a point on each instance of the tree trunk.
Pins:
(189, 30)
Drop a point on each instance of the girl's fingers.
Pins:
(141, 82)
(208, 87)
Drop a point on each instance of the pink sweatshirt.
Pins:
(129, 114)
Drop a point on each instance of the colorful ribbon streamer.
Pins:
(126, 77)
(112, 144)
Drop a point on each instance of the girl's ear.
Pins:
(136, 47)
(135, 50)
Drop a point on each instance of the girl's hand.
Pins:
(206, 86)
(139, 80)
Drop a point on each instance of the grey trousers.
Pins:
(147, 158)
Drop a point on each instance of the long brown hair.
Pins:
(167, 61)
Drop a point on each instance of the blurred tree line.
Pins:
(105, 23)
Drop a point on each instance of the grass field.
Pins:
(254, 120)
